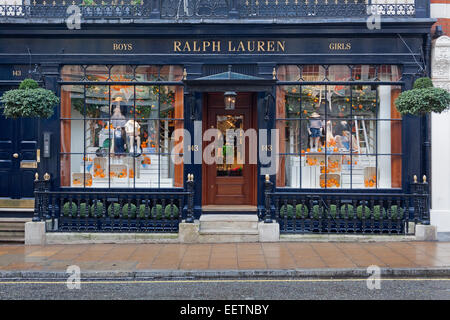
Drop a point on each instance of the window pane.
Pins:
(147, 102)
(288, 73)
(289, 136)
(72, 102)
(363, 171)
(340, 105)
(364, 101)
(97, 102)
(167, 101)
(289, 102)
(364, 73)
(171, 73)
(365, 136)
(147, 73)
(71, 132)
(389, 171)
(72, 73)
(389, 73)
(313, 100)
(73, 171)
(97, 73)
(339, 73)
(289, 174)
(313, 73)
(310, 166)
(122, 73)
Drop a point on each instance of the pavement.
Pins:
(284, 259)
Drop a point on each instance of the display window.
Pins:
(343, 134)
(119, 135)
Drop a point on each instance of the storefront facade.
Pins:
(137, 100)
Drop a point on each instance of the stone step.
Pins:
(12, 234)
(12, 230)
(12, 226)
(227, 238)
(229, 222)
(229, 231)
(8, 240)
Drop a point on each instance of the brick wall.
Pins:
(440, 9)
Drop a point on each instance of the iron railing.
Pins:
(357, 213)
(206, 9)
(97, 211)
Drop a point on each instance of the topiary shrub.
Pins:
(379, 212)
(397, 213)
(129, 211)
(171, 210)
(84, 212)
(29, 101)
(114, 210)
(347, 211)
(423, 83)
(141, 213)
(424, 98)
(156, 212)
(332, 211)
(359, 212)
(66, 209)
(99, 212)
(28, 84)
(318, 212)
(287, 211)
(301, 211)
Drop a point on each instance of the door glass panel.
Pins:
(229, 155)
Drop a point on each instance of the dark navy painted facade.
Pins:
(402, 41)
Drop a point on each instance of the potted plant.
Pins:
(29, 101)
(423, 98)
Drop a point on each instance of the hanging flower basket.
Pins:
(29, 101)
(423, 98)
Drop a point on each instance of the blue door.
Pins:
(18, 144)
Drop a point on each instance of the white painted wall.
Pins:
(440, 140)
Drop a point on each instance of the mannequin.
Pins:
(315, 128)
(118, 121)
(132, 128)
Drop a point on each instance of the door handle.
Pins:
(15, 155)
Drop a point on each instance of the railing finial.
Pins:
(46, 176)
(415, 178)
(36, 177)
(424, 179)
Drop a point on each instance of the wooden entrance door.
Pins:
(229, 180)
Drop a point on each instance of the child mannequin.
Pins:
(118, 121)
(132, 128)
(315, 129)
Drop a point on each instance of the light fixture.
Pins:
(230, 100)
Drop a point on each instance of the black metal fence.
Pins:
(357, 213)
(204, 9)
(95, 211)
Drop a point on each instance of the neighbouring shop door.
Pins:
(230, 180)
(18, 143)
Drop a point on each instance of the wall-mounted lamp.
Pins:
(230, 100)
(268, 99)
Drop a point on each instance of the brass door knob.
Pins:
(16, 155)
